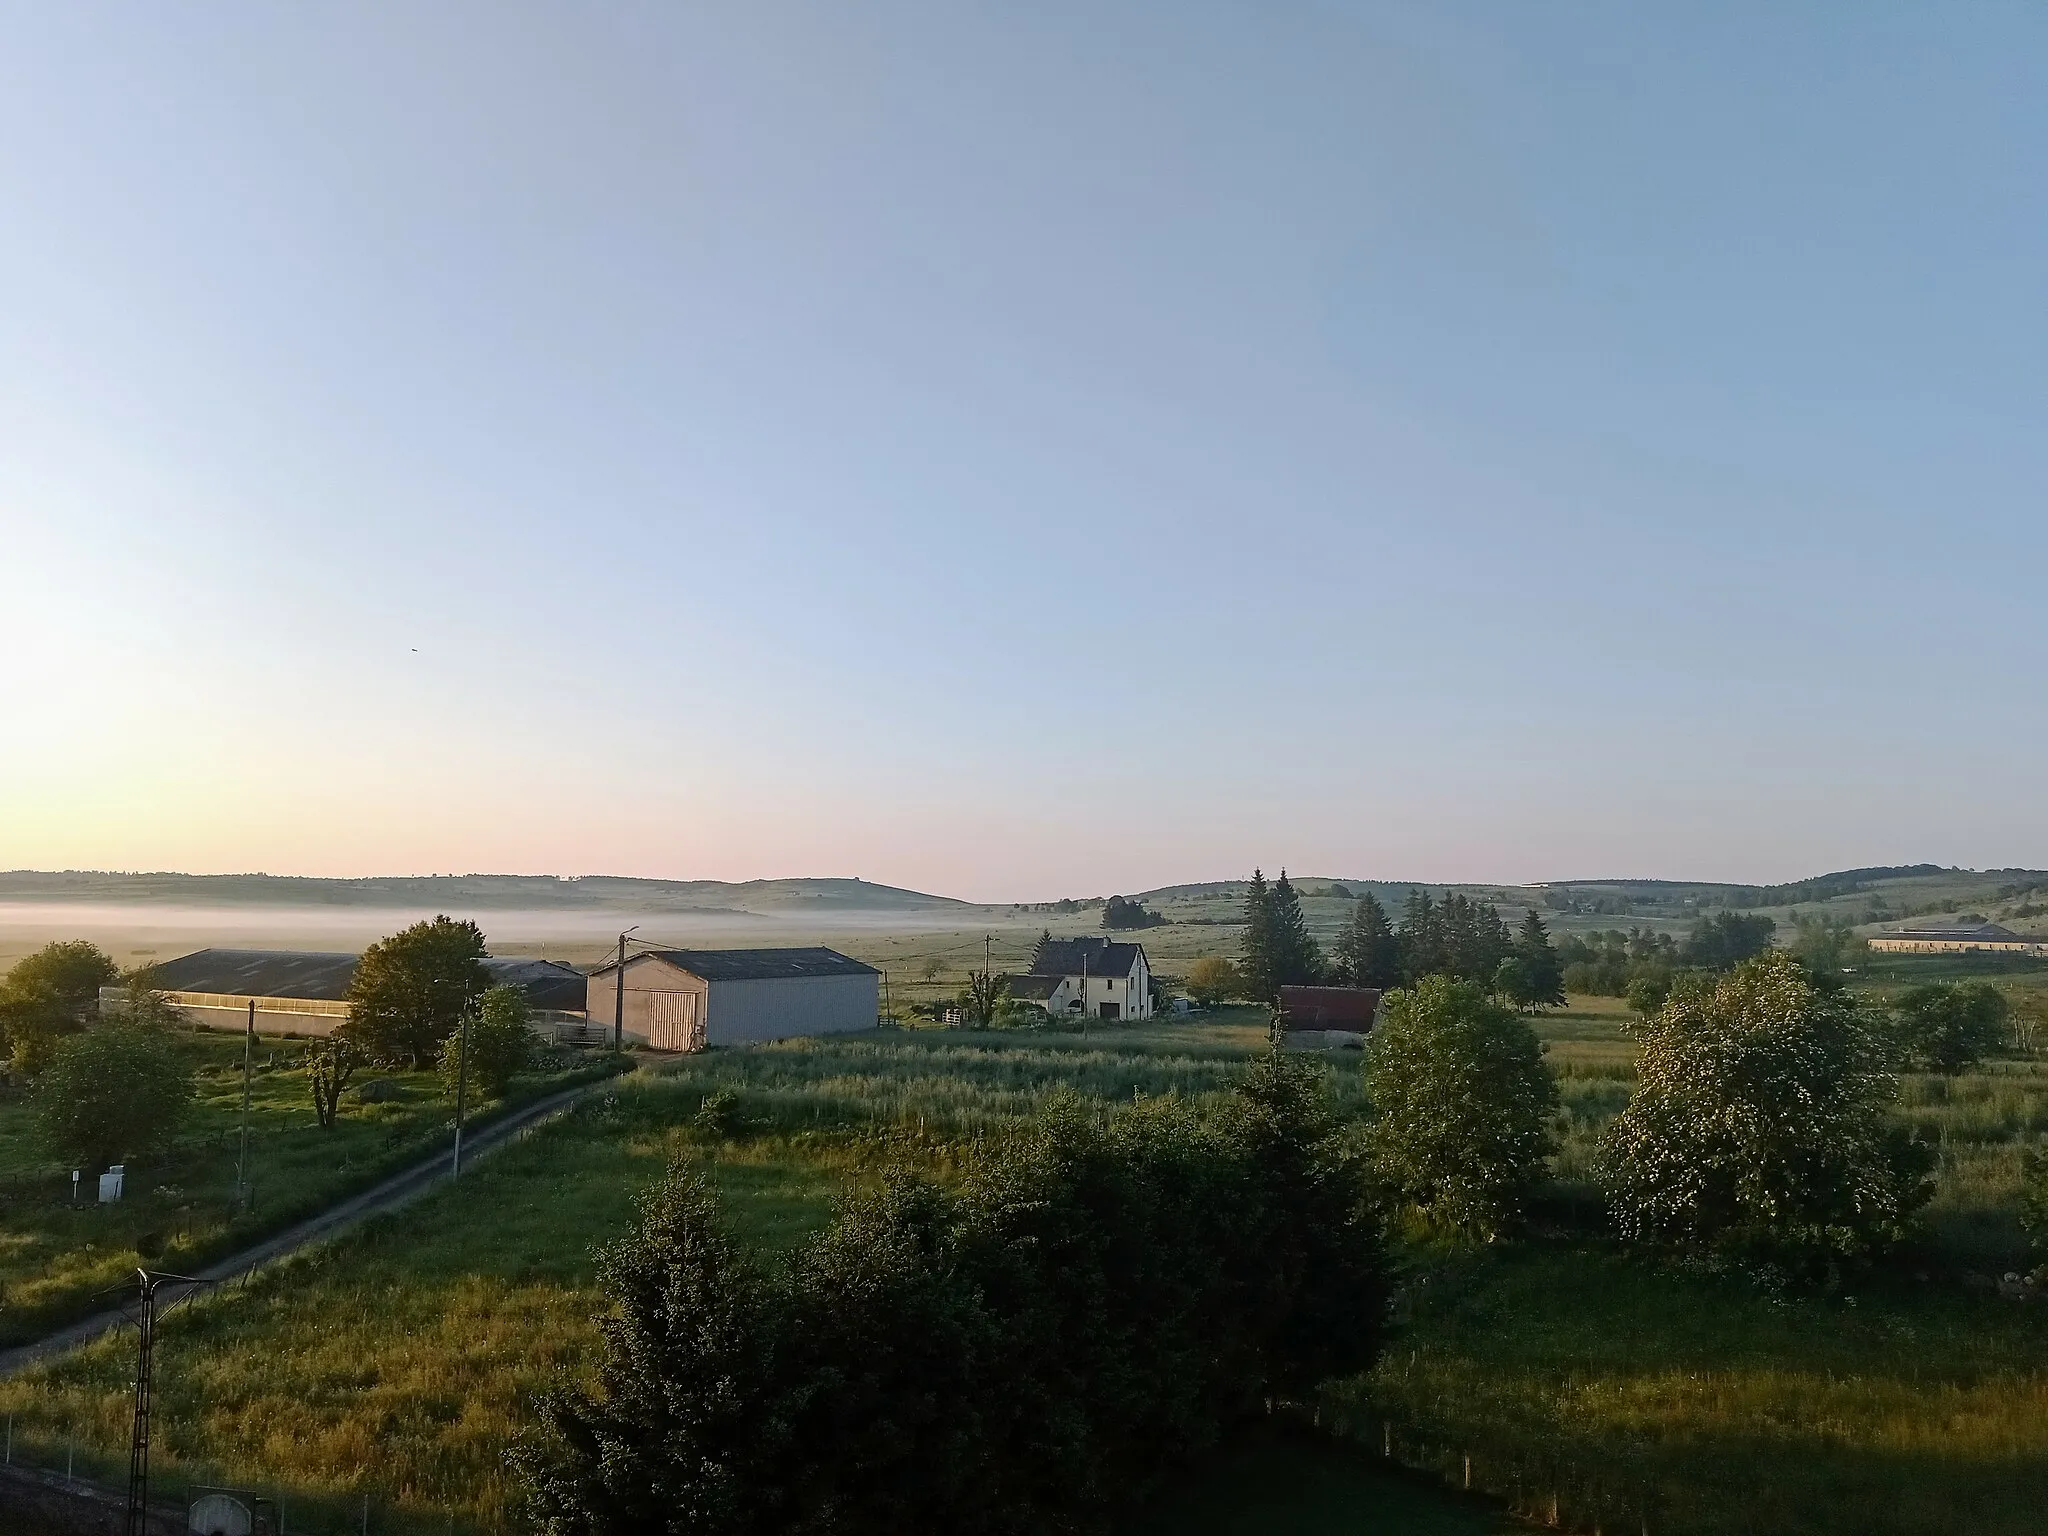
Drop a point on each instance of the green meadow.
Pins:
(1556, 1376)
(179, 1209)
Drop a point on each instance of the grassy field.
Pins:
(56, 1255)
(397, 1363)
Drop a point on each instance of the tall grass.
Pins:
(399, 1361)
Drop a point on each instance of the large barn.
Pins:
(305, 992)
(686, 999)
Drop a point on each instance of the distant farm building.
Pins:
(305, 992)
(1958, 939)
(1098, 978)
(686, 999)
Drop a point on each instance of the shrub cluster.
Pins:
(1090, 1307)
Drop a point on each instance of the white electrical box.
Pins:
(110, 1183)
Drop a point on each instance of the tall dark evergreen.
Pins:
(1545, 971)
(1369, 954)
(1423, 949)
(1036, 1347)
(1258, 962)
(1038, 950)
(1297, 959)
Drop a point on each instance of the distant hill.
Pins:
(769, 897)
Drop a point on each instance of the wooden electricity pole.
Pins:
(248, 1066)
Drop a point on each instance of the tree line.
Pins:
(1454, 936)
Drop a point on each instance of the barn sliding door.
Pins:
(675, 1021)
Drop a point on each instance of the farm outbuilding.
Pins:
(305, 992)
(686, 999)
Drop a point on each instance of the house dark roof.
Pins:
(756, 964)
(257, 973)
(1033, 989)
(316, 975)
(1350, 1008)
(1100, 957)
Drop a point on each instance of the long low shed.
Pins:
(305, 992)
(686, 999)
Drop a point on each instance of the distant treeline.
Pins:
(1605, 964)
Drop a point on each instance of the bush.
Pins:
(2034, 1197)
(1944, 1028)
(1758, 1126)
(113, 1093)
(1090, 1308)
(1212, 979)
(501, 1044)
(1463, 1104)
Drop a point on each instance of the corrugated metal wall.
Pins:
(779, 1007)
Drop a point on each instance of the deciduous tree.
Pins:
(49, 994)
(1758, 1127)
(410, 990)
(1462, 1106)
(1949, 1028)
(1211, 979)
(329, 1066)
(500, 1044)
(112, 1093)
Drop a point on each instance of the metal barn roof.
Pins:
(315, 974)
(754, 964)
(258, 973)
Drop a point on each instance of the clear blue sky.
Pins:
(1024, 450)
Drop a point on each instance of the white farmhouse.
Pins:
(1095, 978)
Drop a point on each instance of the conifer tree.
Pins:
(1369, 955)
(1297, 960)
(1423, 952)
(1261, 979)
(1039, 949)
(1545, 971)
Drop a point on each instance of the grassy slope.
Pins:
(55, 1256)
(397, 1360)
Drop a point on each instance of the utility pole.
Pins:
(461, 1085)
(1084, 994)
(248, 1065)
(137, 1522)
(619, 997)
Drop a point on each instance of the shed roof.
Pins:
(1033, 989)
(325, 975)
(1099, 957)
(258, 973)
(1987, 932)
(1329, 1007)
(754, 964)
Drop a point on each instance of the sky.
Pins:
(1023, 450)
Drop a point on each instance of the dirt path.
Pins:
(389, 1195)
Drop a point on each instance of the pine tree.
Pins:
(1297, 961)
(1369, 955)
(1261, 978)
(1038, 950)
(1423, 951)
(1546, 972)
